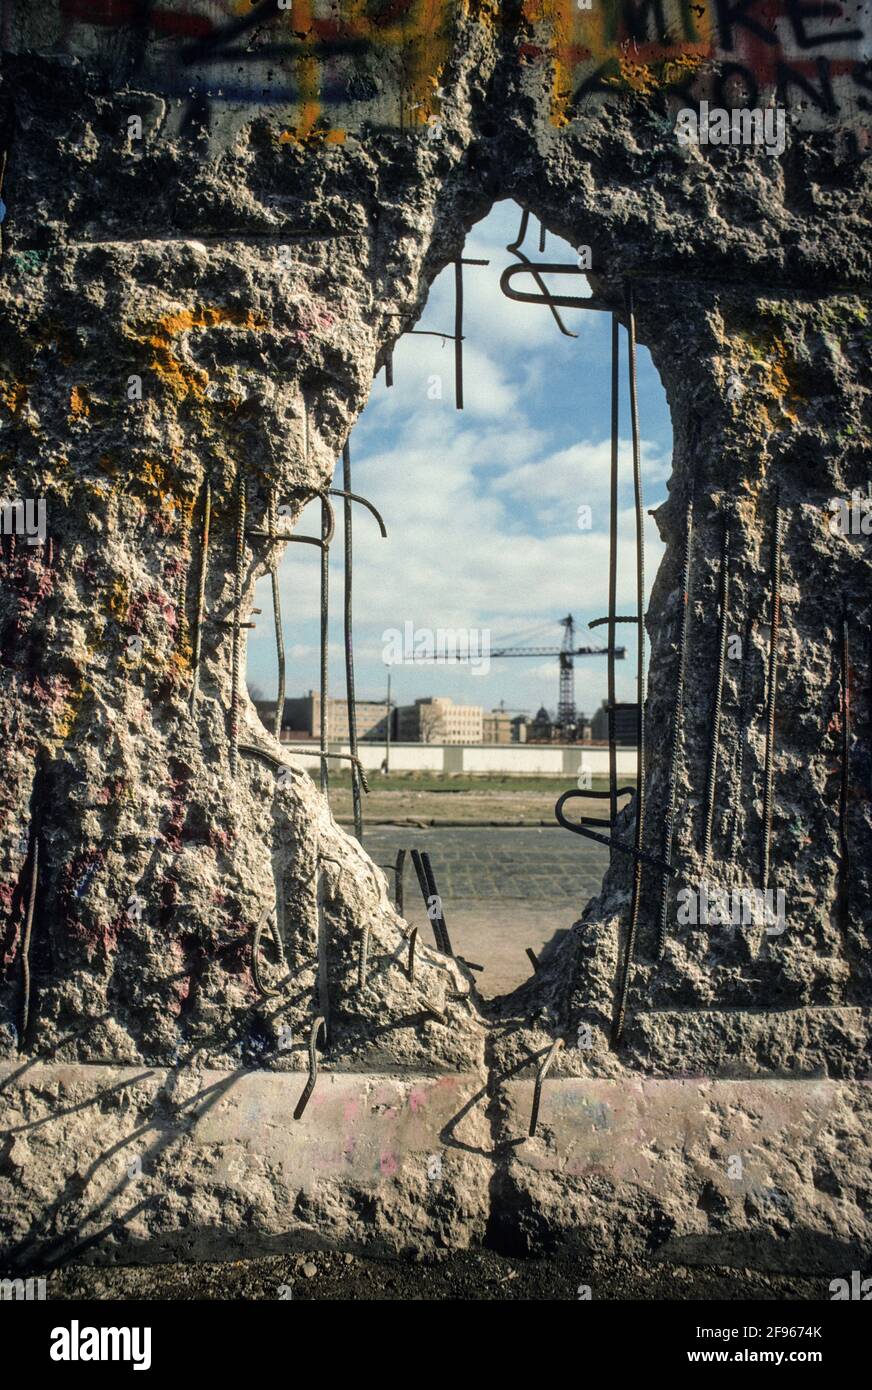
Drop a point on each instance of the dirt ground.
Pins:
(423, 800)
(480, 1276)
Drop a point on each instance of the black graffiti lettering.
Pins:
(637, 14)
(735, 72)
(862, 77)
(730, 16)
(595, 82)
(193, 52)
(787, 77)
(798, 12)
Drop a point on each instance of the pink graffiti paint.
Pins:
(389, 1165)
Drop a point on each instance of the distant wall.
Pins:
(515, 759)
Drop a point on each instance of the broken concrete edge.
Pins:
(103, 1164)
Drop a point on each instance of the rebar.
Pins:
(266, 990)
(201, 590)
(413, 937)
(771, 690)
(546, 297)
(621, 1010)
(844, 852)
(613, 573)
(712, 780)
(434, 893)
(26, 938)
(677, 721)
(349, 640)
(325, 604)
(609, 841)
(398, 881)
(235, 696)
(318, 1024)
(515, 248)
(537, 1089)
(743, 717)
(362, 956)
(253, 749)
(277, 617)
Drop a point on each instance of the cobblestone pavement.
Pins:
(484, 863)
(503, 890)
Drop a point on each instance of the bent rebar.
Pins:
(564, 301)
(264, 753)
(266, 990)
(313, 1066)
(609, 842)
(515, 248)
(355, 497)
(540, 1077)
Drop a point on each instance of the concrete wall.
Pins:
(516, 760)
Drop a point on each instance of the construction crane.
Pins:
(567, 652)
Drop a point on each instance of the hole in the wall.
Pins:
(498, 520)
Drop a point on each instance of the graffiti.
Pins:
(324, 67)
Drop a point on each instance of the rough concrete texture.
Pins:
(248, 258)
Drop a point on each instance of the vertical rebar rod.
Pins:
(458, 334)
(201, 589)
(744, 687)
(844, 855)
(26, 938)
(325, 615)
(613, 574)
(349, 643)
(677, 722)
(630, 944)
(388, 730)
(277, 617)
(235, 693)
(771, 690)
(712, 782)
(399, 885)
(434, 892)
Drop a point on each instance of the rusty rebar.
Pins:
(413, 937)
(26, 937)
(266, 917)
(277, 618)
(399, 868)
(771, 692)
(712, 780)
(677, 722)
(541, 1073)
(325, 604)
(437, 905)
(201, 590)
(236, 659)
(613, 571)
(318, 1024)
(742, 729)
(515, 248)
(844, 851)
(620, 1013)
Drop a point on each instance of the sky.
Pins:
(482, 505)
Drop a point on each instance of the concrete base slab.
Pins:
(145, 1164)
(759, 1174)
(141, 1165)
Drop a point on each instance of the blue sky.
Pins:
(481, 505)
